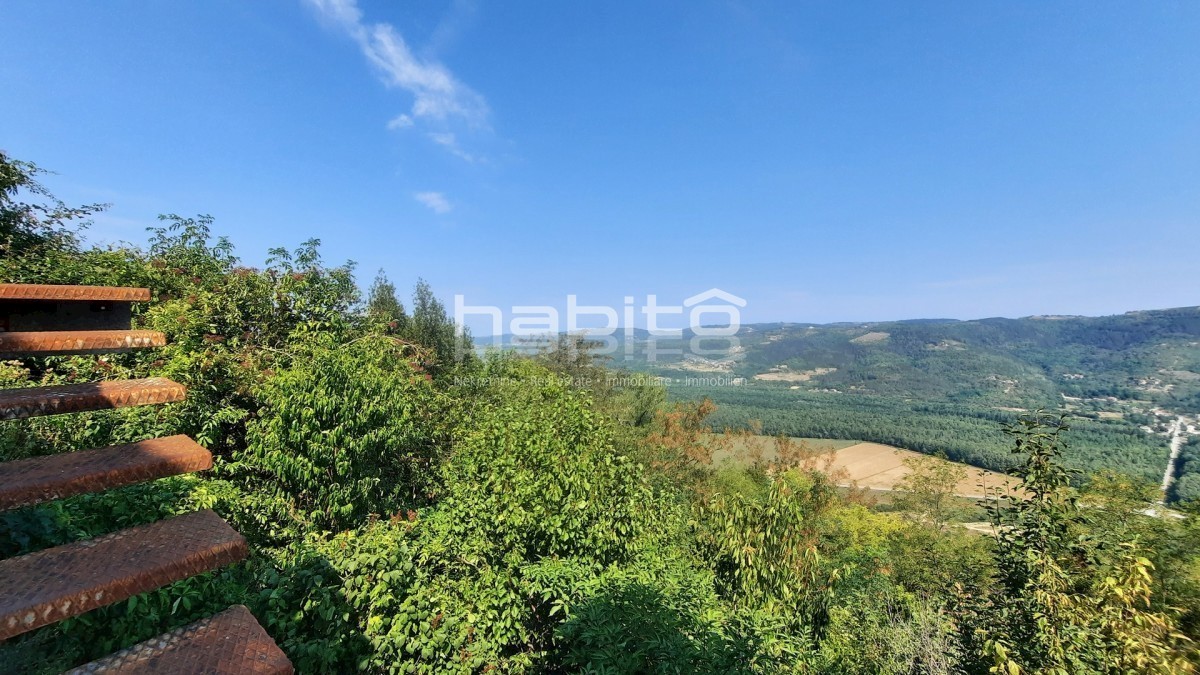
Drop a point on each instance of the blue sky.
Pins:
(825, 161)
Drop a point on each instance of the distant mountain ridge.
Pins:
(1146, 355)
(1131, 383)
(1151, 355)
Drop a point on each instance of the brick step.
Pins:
(58, 342)
(40, 479)
(42, 588)
(231, 642)
(18, 404)
(56, 293)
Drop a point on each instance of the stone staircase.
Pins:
(47, 586)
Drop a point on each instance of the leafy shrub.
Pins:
(765, 551)
(888, 632)
(348, 432)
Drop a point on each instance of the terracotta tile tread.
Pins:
(54, 292)
(40, 479)
(37, 401)
(51, 343)
(230, 642)
(48, 586)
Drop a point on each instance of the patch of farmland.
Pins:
(781, 374)
(881, 467)
(872, 466)
(871, 338)
(738, 448)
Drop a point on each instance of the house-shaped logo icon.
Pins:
(729, 304)
(717, 293)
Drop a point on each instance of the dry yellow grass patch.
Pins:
(881, 467)
(793, 375)
(870, 338)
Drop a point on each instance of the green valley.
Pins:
(944, 386)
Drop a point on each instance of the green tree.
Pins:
(315, 299)
(431, 327)
(929, 488)
(1187, 488)
(39, 234)
(764, 549)
(45, 222)
(349, 431)
(1063, 602)
(383, 305)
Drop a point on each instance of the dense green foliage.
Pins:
(1187, 487)
(412, 511)
(1067, 601)
(337, 468)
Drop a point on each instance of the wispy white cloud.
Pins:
(437, 94)
(434, 201)
(400, 122)
(449, 141)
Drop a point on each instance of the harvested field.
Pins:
(738, 448)
(881, 467)
(793, 375)
(871, 338)
(871, 466)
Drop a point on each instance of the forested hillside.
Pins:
(964, 433)
(939, 385)
(1146, 355)
(411, 511)
(1151, 358)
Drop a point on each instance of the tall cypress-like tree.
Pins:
(382, 303)
(431, 327)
